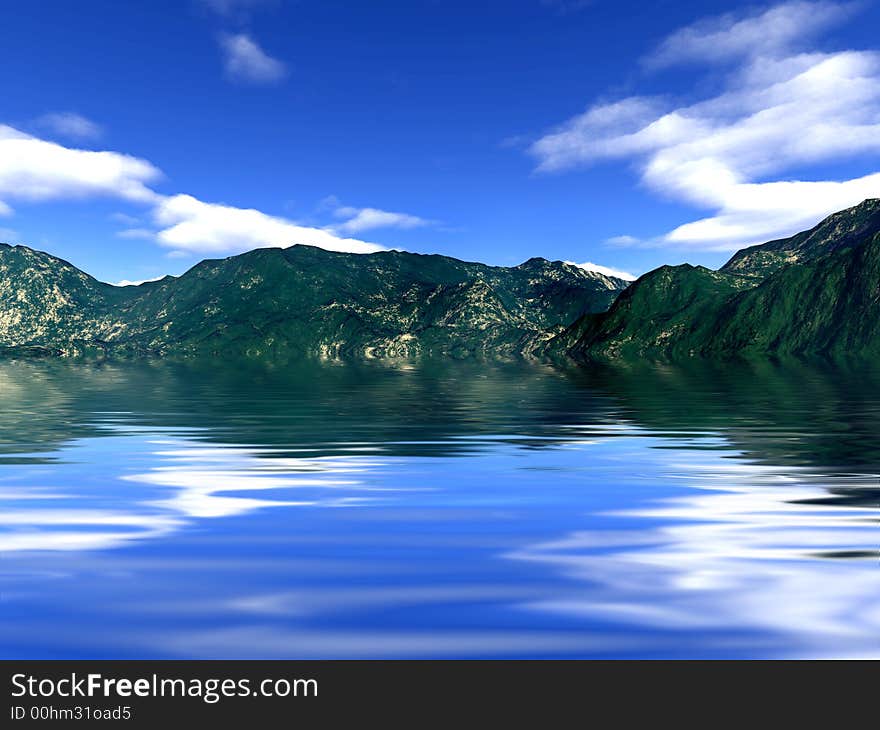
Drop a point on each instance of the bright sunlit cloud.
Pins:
(780, 109)
(193, 225)
(33, 169)
(606, 270)
(137, 282)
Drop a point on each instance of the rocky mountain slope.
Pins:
(845, 229)
(296, 301)
(816, 293)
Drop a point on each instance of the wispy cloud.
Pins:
(771, 32)
(125, 218)
(236, 8)
(780, 109)
(70, 125)
(365, 219)
(246, 62)
(137, 233)
(623, 240)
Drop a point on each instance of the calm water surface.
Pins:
(438, 510)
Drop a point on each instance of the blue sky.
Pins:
(137, 138)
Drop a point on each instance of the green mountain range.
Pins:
(296, 301)
(816, 293)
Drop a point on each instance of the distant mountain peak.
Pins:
(533, 262)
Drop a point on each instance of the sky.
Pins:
(138, 138)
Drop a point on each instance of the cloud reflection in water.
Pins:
(202, 482)
(746, 551)
(486, 511)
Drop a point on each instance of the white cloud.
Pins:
(71, 125)
(246, 62)
(757, 212)
(33, 169)
(606, 270)
(766, 32)
(127, 282)
(137, 233)
(365, 219)
(780, 110)
(189, 224)
(603, 131)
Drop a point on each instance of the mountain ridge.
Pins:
(292, 301)
(842, 229)
(814, 293)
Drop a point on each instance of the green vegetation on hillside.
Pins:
(816, 293)
(293, 302)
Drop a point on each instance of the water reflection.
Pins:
(738, 553)
(212, 482)
(445, 509)
(194, 481)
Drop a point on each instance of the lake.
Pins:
(438, 510)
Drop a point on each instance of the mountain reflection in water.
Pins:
(438, 509)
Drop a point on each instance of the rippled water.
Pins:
(440, 510)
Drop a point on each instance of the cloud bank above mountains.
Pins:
(35, 170)
(752, 157)
(782, 107)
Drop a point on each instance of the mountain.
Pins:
(45, 301)
(662, 314)
(816, 293)
(296, 301)
(847, 228)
